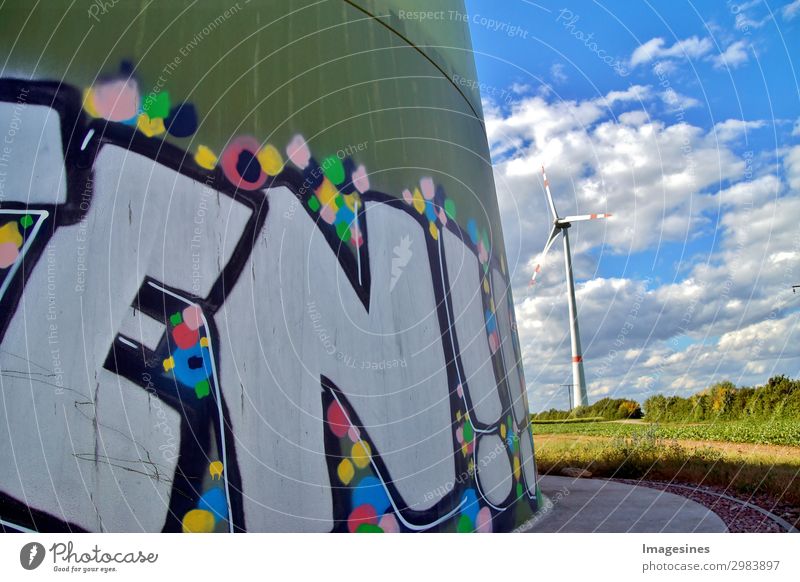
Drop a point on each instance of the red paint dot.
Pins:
(337, 421)
(230, 163)
(184, 336)
(361, 514)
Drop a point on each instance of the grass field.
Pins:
(746, 458)
(778, 432)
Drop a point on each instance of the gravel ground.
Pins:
(739, 518)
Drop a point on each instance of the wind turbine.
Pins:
(561, 226)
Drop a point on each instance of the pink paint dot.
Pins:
(337, 421)
(493, 342)
(8, 254)
(298, 151)
(484, 520)
(328, 214)
(483, 256)
(354, 434)
(355, 236)
(360, 179)
(388, 523)
(460, 435)
(193, 317)
(408, 197)
(116, 100)
(460, 391)
(442, 216)
(428, 190)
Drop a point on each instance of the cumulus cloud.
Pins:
(733, 56)
(655, 48)
(789, 11)
(676, 327)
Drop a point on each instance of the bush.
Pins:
(778, 399)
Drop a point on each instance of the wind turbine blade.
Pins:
(550, 240)
(549, 196)
(581, 217)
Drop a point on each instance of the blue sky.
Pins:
(683, 119)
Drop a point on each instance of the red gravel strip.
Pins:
(738, 517)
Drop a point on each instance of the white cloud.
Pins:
(690, 48)
(667, 183)
(732, 129)
(731, 57)
(558, 74)
(791, 10)
(676, 101)
(792, 164)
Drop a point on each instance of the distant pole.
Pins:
(569, 394)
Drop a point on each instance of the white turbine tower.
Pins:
(560, 226)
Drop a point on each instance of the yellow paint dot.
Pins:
(464, 448)
(346, 471)
(205, 158)
(351, 200)
(88, 102)
(270, 160)
(361, 453)
(434, 231)
(169, 363)
(215, 469)
(326, 193)
(471, 467)
(503, 431)
(9, 233)
(486, 286)
(419, 202)
(150, 127)
(516, 468)
(458, 415)
(203, 342)
(491, 304)
(198, 521)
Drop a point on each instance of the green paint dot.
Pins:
(519, 490)
(368, 528)
(468, 434)
(450, 208)
(313, 203)
(156, 105)
(333, 169)
(514, 443)
(26, 221)
(465, 525)
(343, 230)
(175, 318)
(201, 389)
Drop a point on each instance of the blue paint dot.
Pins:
(430, 213)
(344, 214)
(370, 490)
(248, 167)
(491, 322)
(470, 507)
(182, 120)
(214, 501)
(472, 229)
(192, 365)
